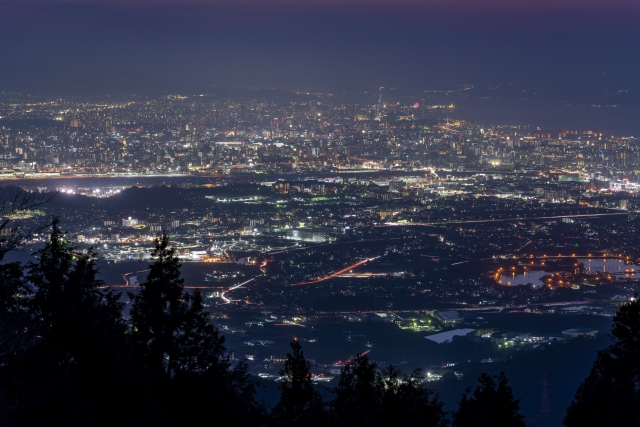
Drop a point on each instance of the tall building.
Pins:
(379, 106)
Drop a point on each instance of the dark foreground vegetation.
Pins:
(69, 357)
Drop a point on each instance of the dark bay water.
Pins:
(617, 121)
(591, 266)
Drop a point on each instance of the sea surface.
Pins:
(546, 114)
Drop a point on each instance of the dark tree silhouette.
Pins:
(358, 394)
(69, 370)
(300, 404)
(406, 402)
(610, 395)
(169, 325)
(174, 338)
(15, 228)
(491, 404)
(365, 396)
(14, 288)
(67, 356)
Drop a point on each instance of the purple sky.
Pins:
(318, 42)
(55, 15)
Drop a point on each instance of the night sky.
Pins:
(329, 43)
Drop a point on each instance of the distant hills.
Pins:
(38, 79)
(606, 89)
(43, 80)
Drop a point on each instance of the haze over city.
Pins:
(313, 213)
(335, 44)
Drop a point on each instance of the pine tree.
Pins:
(610, 395)
(158, 310)
(169, 325)
(13, 288)
(70, 370)
(173, 337)
(300, 404)
(358, 394)
(368, 397)
(491, 404)
(68, 303)
(406, 402)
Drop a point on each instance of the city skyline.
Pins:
(422, 195)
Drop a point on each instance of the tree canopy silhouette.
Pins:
(491, 404)
(73, 344)
(300, 404)
(69, 357)
(610, 395)
(169, 326)
(172, 336)
(366, 396)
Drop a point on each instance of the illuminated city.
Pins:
(282, 214)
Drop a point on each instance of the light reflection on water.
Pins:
(590, 265)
